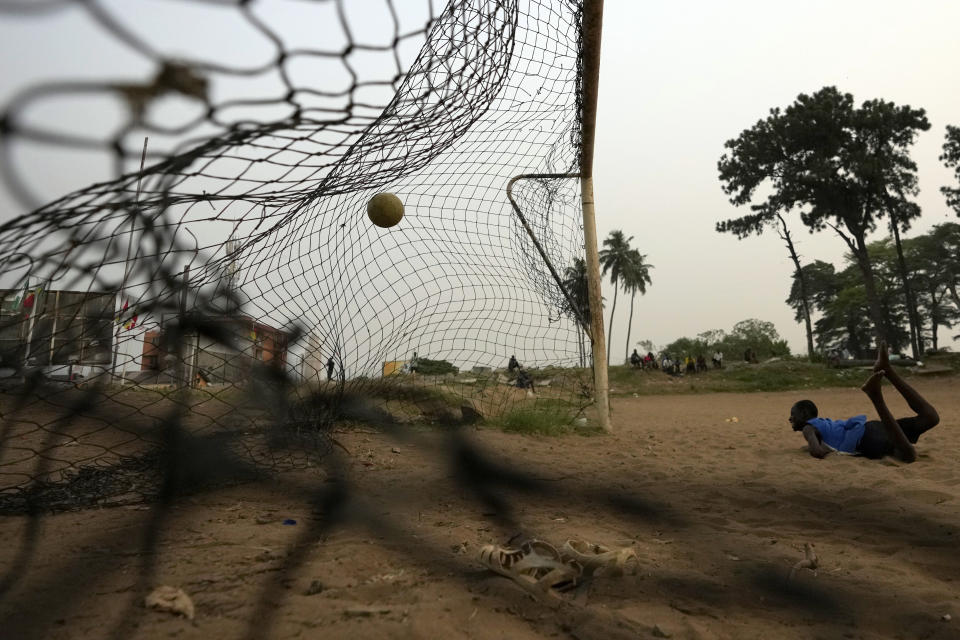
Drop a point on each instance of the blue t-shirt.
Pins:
(841, 435)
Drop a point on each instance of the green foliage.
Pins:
(616, 259)
(636, 277)
(838, 165)
(951, 158)
(786, 374)
(548, 417)
(820, 278)
(759, 335)
(575, 282)
(682, 347)
(935, 260)
(841, 299)
(428, 367)
(636, 274)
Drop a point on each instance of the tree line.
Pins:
(847, 168)
(628, 270)
(760, 337)
(840, 297)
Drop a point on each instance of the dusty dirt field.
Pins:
(717, 510)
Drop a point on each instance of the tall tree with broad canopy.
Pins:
(951, 158)
(834, 163)
(615, 260)
(635, 279)
(888, 137)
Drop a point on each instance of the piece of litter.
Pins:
(810, 561)
(394, 450)
(946, 617)
(290, 522)
(170, 600)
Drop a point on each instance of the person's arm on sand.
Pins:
(817, 449)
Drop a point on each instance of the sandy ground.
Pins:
(714, 493)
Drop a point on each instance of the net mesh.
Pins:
(220, 281)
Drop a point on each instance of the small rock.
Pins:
(660, 632)
(170, 600)
(268, 556)
(394, 450)
(265, 519)
(315, 587)
(946, 617)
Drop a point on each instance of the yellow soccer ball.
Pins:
(385, 210)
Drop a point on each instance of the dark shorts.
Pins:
(875, 442)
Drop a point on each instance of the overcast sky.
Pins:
(679, 79)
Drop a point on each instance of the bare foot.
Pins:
(873, 384)
(883, 358)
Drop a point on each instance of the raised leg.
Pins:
(924, 410)
(872, 387)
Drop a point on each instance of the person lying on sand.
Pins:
(876, 438)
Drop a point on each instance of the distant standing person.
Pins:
(513, 365)
(414, 363)
(330, 366)
(718, 359)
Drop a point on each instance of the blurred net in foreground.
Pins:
(232, 291)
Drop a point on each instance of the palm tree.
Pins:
(635, 278)
(575, 282)
(615, 258)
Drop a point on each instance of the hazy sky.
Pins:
(679, 79)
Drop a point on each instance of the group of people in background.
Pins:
(671, 366)
(643, 362)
